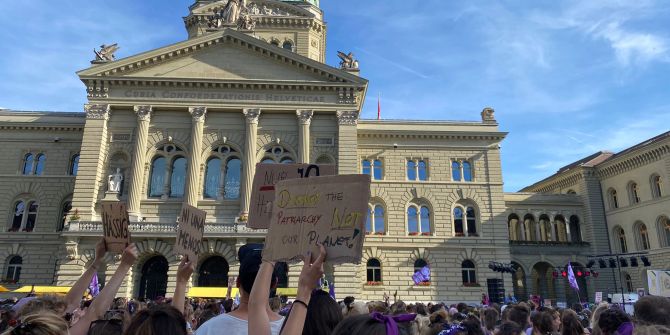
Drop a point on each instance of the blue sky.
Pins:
(566, 78)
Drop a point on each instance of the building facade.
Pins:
(187, 123)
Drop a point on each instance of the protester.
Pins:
(323, 314)
(158, 320)
(571, 324)
(509, 328)
(236, 322)
(595, 317)
(374, 324)
(615, 321)
(652, 310)
(489, 320)
(543, 323)
(44, 322)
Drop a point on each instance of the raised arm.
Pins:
(310, 274)
(73, 297)
(104, 300)
(184, 272)
(259, 299)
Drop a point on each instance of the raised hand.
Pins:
(185, 270)
(129, 255)
(100, 250)
(311, 273)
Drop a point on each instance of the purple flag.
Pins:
(422, 275)
(331, 290)
(93, 287)
(571, 278)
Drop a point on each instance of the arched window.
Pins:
(24, 216)
(366, 167)
(656, 186)
(418, 220)
(620, 235)
(288, 45)
(561, 228)
(613, 199)
(467, 171)
(157, 179)
(378, 170)
(65, 210)
(154, 276)
(643, 236)
(514, 228)
(529, 227)
(275, 42)
(629, 282)
(571, 192)
(465, 220)
(74, 165)
(41, 162)
(213, 272)
(545, 228)
(469, 273)
(374, 271)
(28, 162)
(178, 177)
(212, 178)
(411, 170)
(376, 220)
(575, 229)
(423, 170)
(664, 231)
(277, 154)
(419, 264)
(168, 172)
(633, 193)
(233, 179)
(455, 171)
(14, 269)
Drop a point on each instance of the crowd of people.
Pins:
(313, 311)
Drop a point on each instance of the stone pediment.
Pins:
(258, 8)
(225, 56)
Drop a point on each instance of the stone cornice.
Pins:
(465, 135)
(126, 66)
(567, 179)
(45, 127)
(632, 160)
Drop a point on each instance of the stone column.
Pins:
(137, 169)
(91, 161)
(304, 120)
(249, 166)
(347, 150)
(193, 174)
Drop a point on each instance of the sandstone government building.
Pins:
(187, 123)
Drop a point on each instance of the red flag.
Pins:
(379, 108)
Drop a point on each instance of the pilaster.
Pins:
(91, 160)
(137, 174)
(348, 142)
(304, 121)
(198, 114)
(251, 115)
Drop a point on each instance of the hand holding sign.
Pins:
(190, 232)
(328, 211)
(115, 226)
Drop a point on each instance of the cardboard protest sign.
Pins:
(115, 226)
(190, 230)
(323, 210)
(263, 187)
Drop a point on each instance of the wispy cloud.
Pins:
(394, 64)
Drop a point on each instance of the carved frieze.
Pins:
(198, 113)
(252, 115)
(97, 111)
(305, 116)
(143, 112)
(347, 118)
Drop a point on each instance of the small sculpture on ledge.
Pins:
(348, 62)
(106, 53)
(114, 182)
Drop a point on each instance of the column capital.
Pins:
(305, 116)
(198, 113)
(252, 115)
(143, 112)
(97, 111)
(347, 118)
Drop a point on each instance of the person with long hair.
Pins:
(158, 320)
(44, 322)
(571, 324)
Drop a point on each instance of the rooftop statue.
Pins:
(348, 61)
(106, 53)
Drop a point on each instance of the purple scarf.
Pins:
(391, 321)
